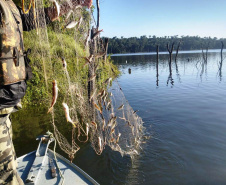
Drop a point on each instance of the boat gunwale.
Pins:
(74, 166)
(67, 162)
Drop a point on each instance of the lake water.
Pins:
(184, 112)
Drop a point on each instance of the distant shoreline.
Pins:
(166, 52)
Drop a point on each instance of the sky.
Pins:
(129, 18)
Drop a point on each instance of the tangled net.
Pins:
(118, 125)
(71, 54)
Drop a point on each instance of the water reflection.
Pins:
(186, 61)
(220, 67)
(170, 78)
(177, 71)
(157, 69)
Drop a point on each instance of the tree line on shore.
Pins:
(149, 44)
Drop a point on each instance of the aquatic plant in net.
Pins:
(84, 104)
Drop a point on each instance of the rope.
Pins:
(26, 11)
(54, 153)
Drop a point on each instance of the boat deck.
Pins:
(42, 170)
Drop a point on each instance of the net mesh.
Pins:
(118, 125)
(92, 107)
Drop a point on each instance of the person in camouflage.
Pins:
(14, 71)
(8, 164)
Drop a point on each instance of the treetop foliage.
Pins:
(148, 44)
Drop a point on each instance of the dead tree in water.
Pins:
(170, 52)
(157, 66)
(205, 55)
(157, 52)
(178, 47)
(170, 62)
(177, 71)
(222, 47)
(221, 62)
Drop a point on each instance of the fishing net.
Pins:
(85, 105)
(118, 125)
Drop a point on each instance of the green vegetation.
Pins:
(60, 43)
(148, 44)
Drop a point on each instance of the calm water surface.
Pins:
(183, 109)
(185, 115)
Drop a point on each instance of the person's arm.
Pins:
(51, 13)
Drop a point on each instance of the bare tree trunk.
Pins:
(178, 47)
(205, 55)
(98, 14)
(170, 52)
(207, 51)
(170, 62)
(222, 47)
(91, 74)
(157, 66)
(221, 62)
(157, 52)
(106, 48)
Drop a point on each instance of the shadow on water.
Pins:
(28, 123)
(108, 168)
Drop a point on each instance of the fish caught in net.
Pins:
(81, 86)
(118, 125)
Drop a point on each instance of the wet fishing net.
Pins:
(117, 124)
(86, 104)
